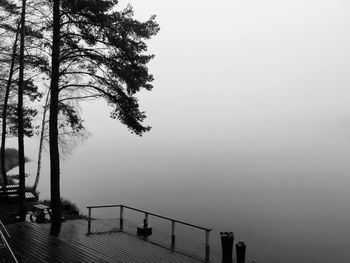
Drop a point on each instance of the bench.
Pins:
(39, 213)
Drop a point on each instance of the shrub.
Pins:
(68, 207)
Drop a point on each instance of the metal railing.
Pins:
(146, 213)
(4, 241)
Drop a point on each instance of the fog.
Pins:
(251, 128)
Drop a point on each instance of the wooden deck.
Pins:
(31, 243)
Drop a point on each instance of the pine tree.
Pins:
(97, 52)
(9, 63)
(21, 192)
(6, 95)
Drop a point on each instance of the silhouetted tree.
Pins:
(70, 132)
(10, 65)
(8, 11)
(54, 151)
(6, 94)
(21, 192)
(103, 56)
(41, 141)
(10, 121)
(97, 52)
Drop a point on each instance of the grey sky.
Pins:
(234, 60)
(224, 66)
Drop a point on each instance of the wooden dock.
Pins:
(31, 243)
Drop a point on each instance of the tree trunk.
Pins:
(21, 158)
(53, 133)
(41, 142)
(4, 110)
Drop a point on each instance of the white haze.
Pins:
(251, 127)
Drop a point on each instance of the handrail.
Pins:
(2, 237)
(147, 213)
(152, 214)
(7, 233)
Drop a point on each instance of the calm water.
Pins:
(285, 192)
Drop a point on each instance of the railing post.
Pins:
(121, 223)
(145, 222)
(207, 248)
(89, 220)
(172, 233)
(145, 226)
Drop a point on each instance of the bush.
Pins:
(68, 207)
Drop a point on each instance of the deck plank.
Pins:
(31, 242)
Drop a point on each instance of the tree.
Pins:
(54, 151)
(21, 192)
(9, 64)
(10, 10)
(41, 141)
(97, 52)
(71, 132)
(36, 57)
(4, 109)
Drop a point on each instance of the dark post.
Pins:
(207, 248)
(227, 246)
(172, 234)
(121, 223)
(240, 251)
(145, 221)
(89, 221)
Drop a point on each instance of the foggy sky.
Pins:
(250, 97)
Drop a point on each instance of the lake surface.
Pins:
(283, 190)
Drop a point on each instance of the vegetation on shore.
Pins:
(9, 211)
(69, 209)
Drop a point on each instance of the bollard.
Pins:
(240, 251)
(144, 230)
(227, 246)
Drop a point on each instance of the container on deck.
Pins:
(240, 251)
(144, 230)
(227, 246)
